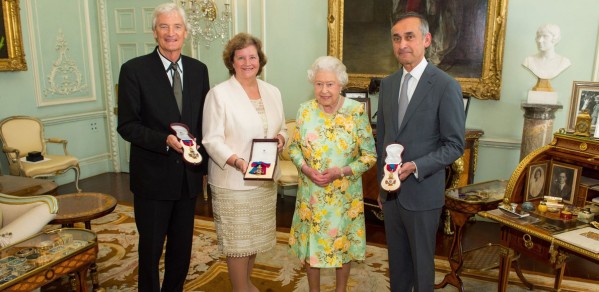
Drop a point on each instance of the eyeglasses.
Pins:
(327, 85)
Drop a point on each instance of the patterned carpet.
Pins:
(276, 270)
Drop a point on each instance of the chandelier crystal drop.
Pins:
(206, 25)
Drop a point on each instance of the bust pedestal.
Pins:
(538, 126)
(543, 85)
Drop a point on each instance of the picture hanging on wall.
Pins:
(12, 56)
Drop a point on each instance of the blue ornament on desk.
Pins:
(528, 206)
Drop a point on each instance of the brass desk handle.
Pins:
(528, 241)
(49, 274)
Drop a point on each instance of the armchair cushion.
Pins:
(25, 216)
(51, 164)
(289, 173)
(291, 132)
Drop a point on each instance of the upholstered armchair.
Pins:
(289, 175)
(21, 217)
(21, 135)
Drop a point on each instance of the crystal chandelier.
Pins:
(205, 23)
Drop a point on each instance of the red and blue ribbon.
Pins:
(259, 167)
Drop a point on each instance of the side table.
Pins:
(82, 207)
(26, 186)
(463, 203)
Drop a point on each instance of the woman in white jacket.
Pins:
(237, 111)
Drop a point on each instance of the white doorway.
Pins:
(126, 32)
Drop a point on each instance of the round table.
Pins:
(82, 207)
(26, 186)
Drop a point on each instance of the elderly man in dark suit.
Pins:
(156, 90)
(432, 132)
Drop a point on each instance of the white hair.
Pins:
(331, 64)
(166, 8)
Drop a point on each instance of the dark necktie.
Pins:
(403, 99)
(177, 88)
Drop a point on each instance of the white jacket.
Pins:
(229, 125)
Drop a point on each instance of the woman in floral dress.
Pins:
(333, 146)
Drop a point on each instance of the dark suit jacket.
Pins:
(432, 133)
(562, 193)
(147, 107)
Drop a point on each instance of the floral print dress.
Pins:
(328, 227)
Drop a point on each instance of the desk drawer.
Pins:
(525, 243)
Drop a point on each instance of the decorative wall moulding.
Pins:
(61, 51)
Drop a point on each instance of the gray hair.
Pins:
(331, 64)
(166, 8)
(552, 29)
(423, 22)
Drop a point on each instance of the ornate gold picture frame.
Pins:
(12, 56)
(485, 83)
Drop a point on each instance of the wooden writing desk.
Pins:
(538, 243)
(536, 239)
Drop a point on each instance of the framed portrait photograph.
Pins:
(12, 55)
(564, 180)
(585, 97)
(263, 160)
(536, 181)
(355, 93)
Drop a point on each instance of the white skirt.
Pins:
(245, 220)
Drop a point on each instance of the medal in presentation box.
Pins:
(263, 160)
(188, 141)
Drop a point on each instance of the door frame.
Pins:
(110, 101)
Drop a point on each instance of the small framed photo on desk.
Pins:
(536, 181)
(263, 160)
(564, 181)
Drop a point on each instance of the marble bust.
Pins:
(546, 63)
